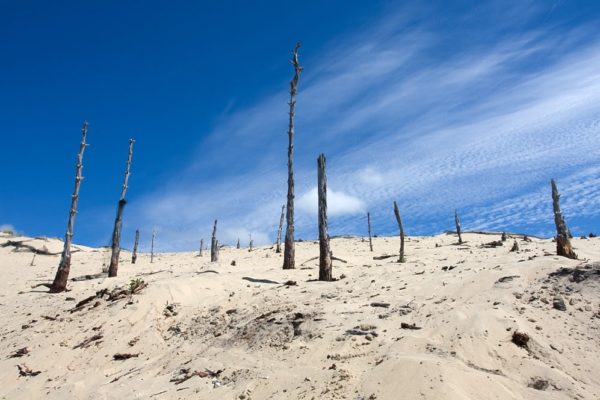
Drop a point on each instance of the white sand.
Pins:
(245, 327)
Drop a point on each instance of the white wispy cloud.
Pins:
(482, 128)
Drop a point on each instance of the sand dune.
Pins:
(439, 326)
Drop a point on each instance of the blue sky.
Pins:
(437, 105)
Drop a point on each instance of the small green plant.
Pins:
(135, 285)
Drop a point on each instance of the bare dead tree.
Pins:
(457, 222)
(503, 237)
(64, 267)
(152, 246)
(369, 226)
(289, 253)
(214, 245)
(278, 248)
(250, 243)
(563, 243)
(201, 247)
(401, 227)
(116, 237)
(135, 246)
(237, 246)
(515, 247)
(324, 249)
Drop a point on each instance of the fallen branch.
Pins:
(87, 342)
(124, 356)
(24, 370)
(383, 257)
(19, 353)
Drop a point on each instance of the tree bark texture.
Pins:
(563, 243)
(278, 245)
(324, 249)
(369, 227)
(401, 227)
(214, 245)
(458, 231)
(135, 246)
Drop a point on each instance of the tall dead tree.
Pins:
(401, 227)
(135, 246)
(214, 244)
(324, 249)
(250, 243)
(457, 222)
(64, 267)
(369, 226)
(116, 237)
(237, 246)
(278, 248)
(201, 246)
(152, 246)
(563, 243)
(289, 253)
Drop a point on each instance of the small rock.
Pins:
(559, 304)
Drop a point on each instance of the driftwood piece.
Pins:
(64, 267)
(116, 237)
(383, 257)
(401, 227)
(278, 244)
(515, 247)
(24, 370)
(186, 374)
(324, 249)
(135, 246)
(289, 252)
(124, 356)
(88, 342)
(563, 243)
(20, 353)
(369, 228)
(457, 223)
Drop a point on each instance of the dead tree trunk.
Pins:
(152, 247)
(563, 243)
(324, 250)
(64, 267)
(401, 227)
(214, 245)
(116, 238)
(201, 246)
(289, 253)
(457, 222)
(250, 244)
(237, 246)
(135, 246)
(278, 248)
(369, 226)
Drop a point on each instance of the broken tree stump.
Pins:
(369, 227)
(401, 227)
(116, 237)
(324, 249)
(64, 267)
(457, 223)
(135, 246)
(289, 252)
(278, 244)
(563, 243)
(214, 245)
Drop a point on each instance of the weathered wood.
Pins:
(401, 227)
(369, 227)
(457, 222)
(237, 246)
(62, 274)
(201, 247)
(250, 244)
(563, 243)
(135, 246)
(289, 253)
(152, 246)
(324, 249)
(503, 237)
(278, 247)
(116, 237)
(214, 245)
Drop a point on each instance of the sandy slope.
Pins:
(314, 340)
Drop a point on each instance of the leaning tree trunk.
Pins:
(116, 238)
(152, 247)
(214, 245)
(278, 248)
(289, 253)
(369, 226)
(135, 246)
(201, 246)
(401, 227)
(324, 250)
(64, 267)
(563, 244)
(457, 222)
